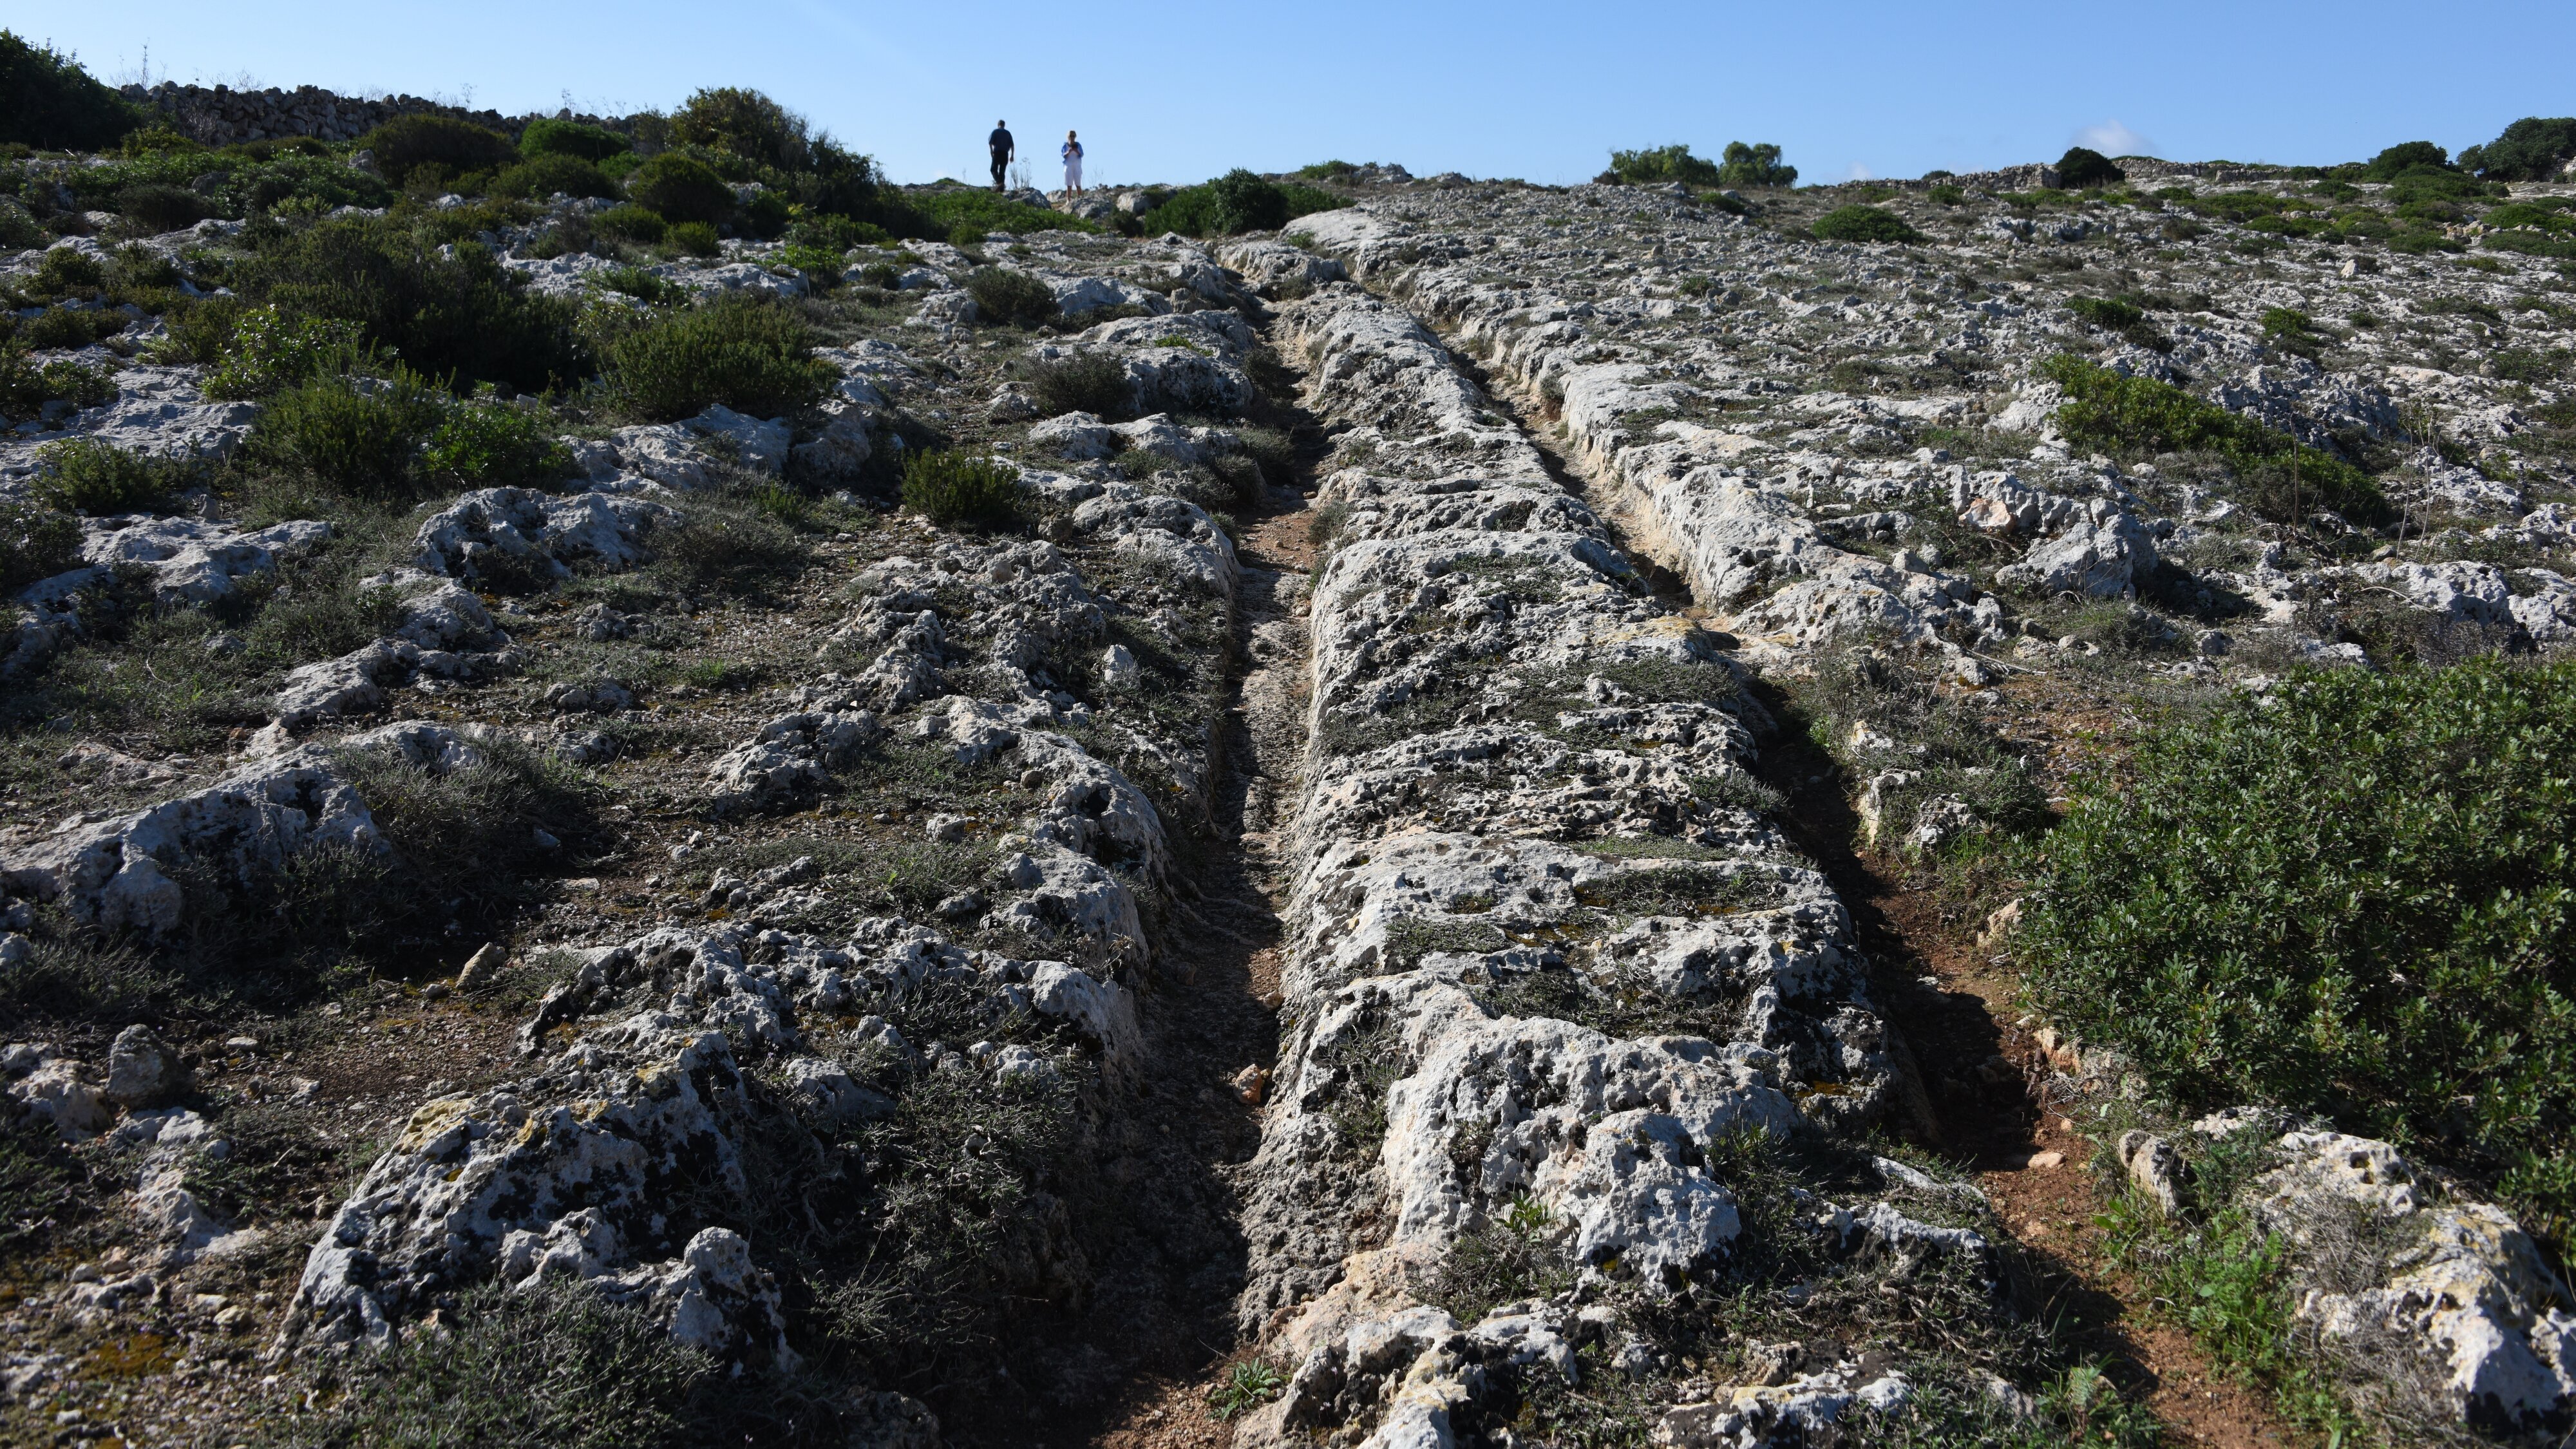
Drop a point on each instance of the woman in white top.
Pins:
(1072, 165)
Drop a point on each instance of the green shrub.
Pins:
(267, 349)
(544, 175)
(405, 144)
(750, 354)
(2121, 315)
(2531, 149)
(2388, 165)
(70, 327)
(939, 213)
(2355, 896)
(2139, 416)
(49, 102)
(1659, 164)
(35, 543)
(1087, 382)
(25, 388)
(744, 122)
(158, 208)
(681, 188)
(630, 223)
(1327, 171)
(1946, 195)
(1754, 165)
(1858, 223)
(695, 238)
(1246, 202)
(85, 475)
(2081, 168)
(1004, 296)
(492, 445)
(459, 317)
(835, 234)
(549, 137)
(2290, 330)
(738, 550)
(956, 490)
(354, 441)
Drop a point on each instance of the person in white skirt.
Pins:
(1072, 165)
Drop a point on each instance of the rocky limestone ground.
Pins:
(1314, 917)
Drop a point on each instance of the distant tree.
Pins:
(2387, 164)
(49, 102)
(1658, 165)
(2531, 149)
(1755, 165)
(2083, 167)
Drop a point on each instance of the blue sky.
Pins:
(1177, 92)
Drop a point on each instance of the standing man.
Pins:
(1072, 153)
(1002, 147)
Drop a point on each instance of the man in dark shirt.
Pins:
(1002, 147)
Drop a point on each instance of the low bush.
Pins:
(35, 543)
(2120, 315)
(545, 175)
(630, 223)
(957, 490)
(2352, 896)
(49, 102)
(940, 213)
(1003, 296)
(1858, 223)
(1235, 202)
(735, 549)
(70, 327)
(694, 238)
(1086, 382)
(88, 476)
(354, 441)
(753, 355)
(264, 349)
(550, 137)
(835, 234)
(2140, 417)
(25, 387)
(406, 144)
(156, 208)
(494, 445)
(1656, 165)
(452, 313)
(2082, 168)
(1754, 165)
(681, 188)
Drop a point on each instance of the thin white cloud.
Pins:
(2113, 139)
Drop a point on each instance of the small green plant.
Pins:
(955, 489)
(271, 349)
(88, 476)
(750, 354)
(35, 543)
(2139, 416)
(488, 444)
(1247, 1386)
(157, 208)
(544, 175)
(1086, 382)
(694, 238)
(630, 223)
(1757, 164)
(25, 387)
(356, 439)
(1859, 223)
(2290, 330)
(1947, 195)
(1003, 296)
